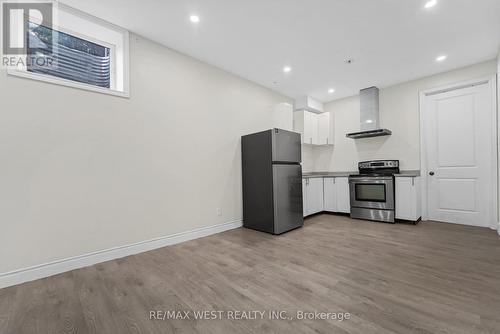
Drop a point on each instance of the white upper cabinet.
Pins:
(315, 128)
(313, 123)
(324, 129)
(310, 128)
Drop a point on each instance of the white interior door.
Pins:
(459, 138)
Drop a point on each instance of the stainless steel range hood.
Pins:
(368, 99)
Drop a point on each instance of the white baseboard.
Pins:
(64, 265)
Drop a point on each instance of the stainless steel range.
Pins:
(372, 190)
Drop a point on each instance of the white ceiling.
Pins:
(390, 41)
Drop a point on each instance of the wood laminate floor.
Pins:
(429, 278)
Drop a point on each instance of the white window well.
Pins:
(76, 50)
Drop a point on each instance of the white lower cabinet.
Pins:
(330, 194)
(312, 195)
(336, 197)
(315, 195)
(408, 199)
(343, 195)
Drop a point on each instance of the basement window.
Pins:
(79, 51)
(72, 58)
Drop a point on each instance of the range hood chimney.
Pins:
(368, 99)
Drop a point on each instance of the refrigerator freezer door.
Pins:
(287, 193)
(286, 146)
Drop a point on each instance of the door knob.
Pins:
(431, 173)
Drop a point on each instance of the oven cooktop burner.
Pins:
(378, 167)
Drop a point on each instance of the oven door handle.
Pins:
(371, 179)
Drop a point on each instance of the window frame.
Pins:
(24, 73)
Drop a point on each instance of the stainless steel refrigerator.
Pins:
(272, 181)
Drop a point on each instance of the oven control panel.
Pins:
(378, 164)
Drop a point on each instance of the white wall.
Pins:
(399, 112)
(308, 158)
(82, 171)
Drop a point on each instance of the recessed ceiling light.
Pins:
(287, 69)
(331, 91)
(441, 58)
(430, 3)
(194, 18)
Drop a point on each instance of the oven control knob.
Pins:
(431, 173)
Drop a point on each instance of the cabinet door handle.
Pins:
(412, 181)
(326, 140)
(311, 140)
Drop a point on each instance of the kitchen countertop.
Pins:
(403, 173)
(408, 173)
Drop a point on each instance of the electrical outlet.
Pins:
(219, 212)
